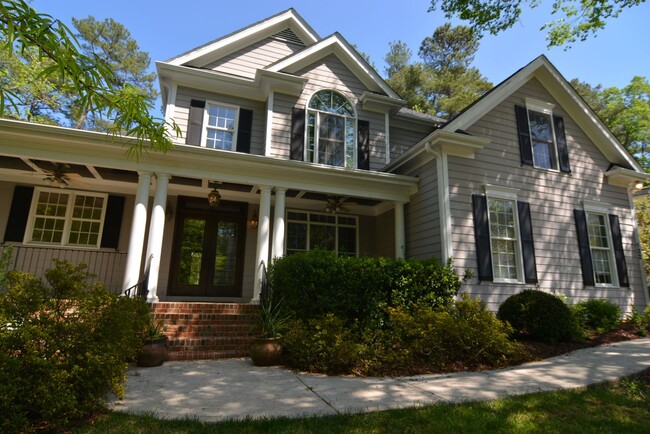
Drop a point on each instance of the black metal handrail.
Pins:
(140, 289)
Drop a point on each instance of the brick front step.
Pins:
(206, 330)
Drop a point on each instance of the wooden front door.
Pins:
(208, 249)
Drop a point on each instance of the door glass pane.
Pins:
(226, 254)
(189, 270)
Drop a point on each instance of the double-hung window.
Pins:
(319, 231)
(67, 218)
(220, 124)
(542, 139)
(505, 249)
(600, 244)
(331, 130)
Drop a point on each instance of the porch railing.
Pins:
(107, 266)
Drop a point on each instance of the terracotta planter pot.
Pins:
(265, 351)
(153, 353)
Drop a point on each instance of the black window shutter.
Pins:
(195, 122)
(298, 134)
(619, 253)
(244, 130)
(525, 148)
(562, 150)
(19, 213)
(583, 246)
(482, 236)
(363, 145)
(527, 244)
(112, 222)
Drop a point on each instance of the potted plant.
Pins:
(154, 348)
(271, 320)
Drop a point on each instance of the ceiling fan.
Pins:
(60, 175)
(335, 205)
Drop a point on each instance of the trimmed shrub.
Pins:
(323, 344)
(359, 289)
(538, 315)
(465, 335)
(63, 346)
(597, 314)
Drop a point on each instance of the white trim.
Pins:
(67, 219)
(610, 249)
(308, 222)
(289, 18)
(444, 206)
(637, 240)
(337, 45)
(596, 207)
(500, 192)
(206, 126)
(170, 109)
(387, 135)
(567, 98)
(269, 124)
(540, 106)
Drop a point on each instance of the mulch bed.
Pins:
(540, 350)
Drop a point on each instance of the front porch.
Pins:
(158, 208)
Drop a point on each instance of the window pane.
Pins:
(311, 136)
(502, 219)
(86, 216)
(541, 130)
(221, 117)
(347, 241)
(49, 217)
(189, 270)
(602, 268)
(218, 139)
(597, 230)
(322, 237)
(226, 254)
(296, 236)
(504, 259)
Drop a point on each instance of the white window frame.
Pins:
(547, 109)
(355, 128)
(65, 238)
(206, 126)
(603, 209)
(493, 192)
(308, 222)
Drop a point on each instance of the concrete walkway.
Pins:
(213, 390)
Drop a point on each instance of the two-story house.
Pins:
(292, 142)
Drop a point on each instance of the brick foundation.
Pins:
(206, 330)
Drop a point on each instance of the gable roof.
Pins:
(544, 71)
(337, 45)
(220, 47)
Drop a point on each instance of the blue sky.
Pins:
(166, 28)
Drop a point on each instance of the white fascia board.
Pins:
(621, 177)
(380, 103)
(210, 81)
(440, 141)
(280, 82)
(542, 69)
(27, 140)
(247, 35)
(336, 44)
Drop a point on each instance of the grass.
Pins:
(623, 406)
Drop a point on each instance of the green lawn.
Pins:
(623, 407)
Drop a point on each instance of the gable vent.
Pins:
(287, 35)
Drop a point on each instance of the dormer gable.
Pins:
(287, 25)
(336, 45)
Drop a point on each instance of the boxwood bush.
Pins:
(316, 283)
(597, 314)
(64, 345)
(539, 315)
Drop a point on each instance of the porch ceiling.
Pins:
(95, 160)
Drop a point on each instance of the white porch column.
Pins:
(278, 222)
(138, 226)
(263, 236)
(400, 236)
(156, 229)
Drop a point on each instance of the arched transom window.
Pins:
(331, 130)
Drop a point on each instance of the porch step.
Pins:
(206, 330)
